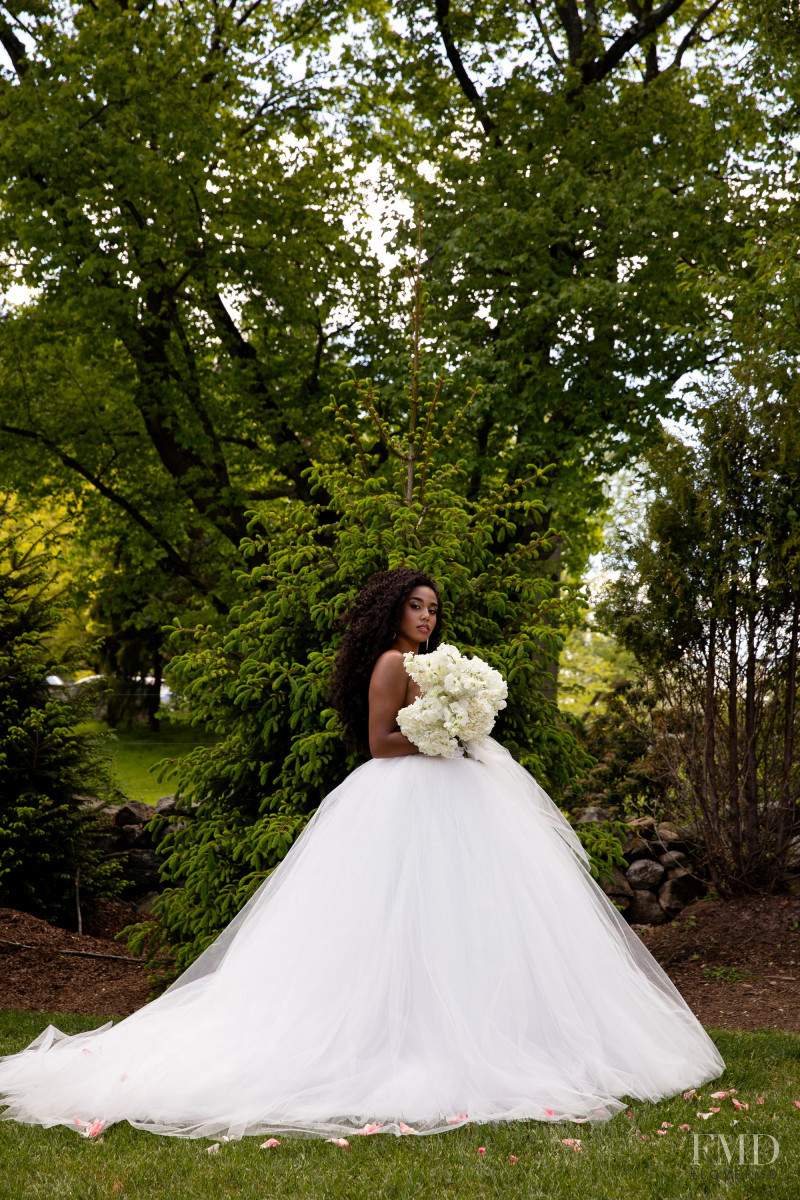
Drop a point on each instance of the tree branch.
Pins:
(175, 560)
(14, 49)
(691, 36)
(459, 70)
(597, 69)
(534, 7)
(569, 15)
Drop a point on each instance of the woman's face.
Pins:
(417, 619)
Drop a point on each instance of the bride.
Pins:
(432, 950)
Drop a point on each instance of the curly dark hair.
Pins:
(370, 627)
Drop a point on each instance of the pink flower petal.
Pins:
(797, 1103)
(736, 1103)
(340, 1142)
(661, 1133)
(94, 1128)
(629, 1115)
(684, 1127)
(405, 1128)
(718, 1095)
(481, 1149)
(688, 1095)
(512, 1158)
(549, 1112)
(666, 1125)
(705, 1116)
(269, 1143)
(711, 1106)
(760, 1100)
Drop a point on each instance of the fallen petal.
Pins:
(661, 1133)
(688, 1095)
(269, 1143)
(481, 1149)
(684, 1127)
(705, 1116)
(213, 1149)
(760, 1100)
(512, 1158)
(340, 1142)
(405, 1128)
(718, 1095)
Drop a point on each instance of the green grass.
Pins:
(135, 754)
(616, 1164)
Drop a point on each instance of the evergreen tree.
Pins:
(51, 850)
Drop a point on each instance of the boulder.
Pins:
(643, 825)
(636, 847)
(594, 814)
(680, 889)
(644, 909)
(134, 813)
(668, 836)
(617, 885)
(141, 867)
(644, 873)
(134, 835)
(672, 858)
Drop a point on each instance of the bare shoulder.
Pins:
(389, 669)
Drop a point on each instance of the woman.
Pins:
(433, 949)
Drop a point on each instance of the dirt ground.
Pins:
(737, 963)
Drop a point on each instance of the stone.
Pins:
(594, 814)
(636, 847)
(141, 868)
(135, 812)
(642, 824)
(679, 890)
(644, 874)
(165, 806)
(617, 885)
(667, 835)
(644, 909)
(144, 905)
(672, 858)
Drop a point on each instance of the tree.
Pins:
(185, 204)
(708, 600)
(51, 847)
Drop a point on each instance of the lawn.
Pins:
(137, 753)
(625, 1159)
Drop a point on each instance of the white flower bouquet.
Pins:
(460, 700)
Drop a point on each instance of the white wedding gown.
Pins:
(432, 950)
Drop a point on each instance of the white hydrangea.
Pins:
(460, 700)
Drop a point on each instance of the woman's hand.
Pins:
(388, 689)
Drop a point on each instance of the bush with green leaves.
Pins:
(51, 848)
(261, 683)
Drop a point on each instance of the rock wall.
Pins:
(662, 871)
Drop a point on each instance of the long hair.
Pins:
(370, 627)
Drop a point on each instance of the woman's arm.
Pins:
(387, 695)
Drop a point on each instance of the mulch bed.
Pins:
(736, 962)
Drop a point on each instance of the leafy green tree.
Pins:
(708, 600)
(183, 194)
(51, 849)
(174, 201)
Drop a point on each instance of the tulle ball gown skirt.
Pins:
(433, 950)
